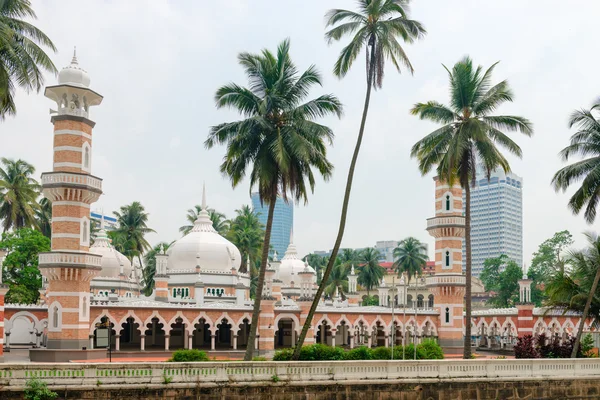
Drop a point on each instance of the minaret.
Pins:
(525, 306)
(69, 267)
(448, 283)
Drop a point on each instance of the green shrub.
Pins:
(283, 355)
(259, 358)
(381, 353)
(36, 389)
(586, 346)
(429, 349)
(358, 353)
(188, 355)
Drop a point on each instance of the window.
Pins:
(447, 315)
(84, 311)
(447, 258)
(447, 202)
(84, 233)
(86, 158)
(55, 317)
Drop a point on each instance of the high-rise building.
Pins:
(110, 222)
(283, 222)
(496, 218)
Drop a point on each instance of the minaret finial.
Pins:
(203, 195)
(101, 218)
(74, 60)
(292, 236)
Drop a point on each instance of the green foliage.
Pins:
(501, 276)
(20, 267)
(188, 355)
(219, 220)
(36, 389)
(411, 257)
(248, 235)
(259, 358)
(369, 272)
(381, 353)
(359, 353)
(43, 217)
(283, 355)
(370, 301)
(18, 190)
(275, 378)
(129, 237)
(548, 258)
(150, 266)
(338, 280)
(586, 346)
(429, 349)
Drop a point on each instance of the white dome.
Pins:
(204, 246)
(291, 265)
(111, 258)
(74, 75)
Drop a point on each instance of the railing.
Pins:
(58, 258)
(53, 178)
(446, 280)
(445, 221)
(123, 374)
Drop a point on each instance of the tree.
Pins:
(219, 220)
(318, 263)
(469, 135)
(378, 25)
(131, 230)
(278, 139)
(43, 217)
(411, 257)
(338, 280)
(501, 276)
(577, 290)
(585, 143)
(18, 193)
(370, 272)
(22, 59)
(248, 235)
(20, 267)
(150, 266)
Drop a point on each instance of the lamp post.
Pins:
(393, 304)
(415, 305)
(404, 297)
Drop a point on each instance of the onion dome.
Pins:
(111, 258)
(205, 246)
(74, 75)
(291, 265)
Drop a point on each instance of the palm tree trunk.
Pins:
(586, 312)
(340, 235)
(261, 278)
(467, 320)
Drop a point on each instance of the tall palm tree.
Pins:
(132, 228)
(318, 263)
(22, 59)
(219, 220)
(376, 27)
(577, 289)
(248, 235)
(585, 143)
(149, 266)
(410, 256)
(18, 194)
(370, 272)
(278, 140)
(43, 217)
(338, 279)
(469, 135)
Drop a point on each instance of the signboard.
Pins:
(102, 337)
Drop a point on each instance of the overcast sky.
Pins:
(158, 64)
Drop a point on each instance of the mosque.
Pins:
(92, 294)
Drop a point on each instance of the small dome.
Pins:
(291, 265)
(74, 75)
(111, 258)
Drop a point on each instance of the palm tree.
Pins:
(43, 217)
(18, 194)
(411, 257)
(338, 280)
(219, 221)
(585, 143)
(22, 59)
(278, 140)
(469, 135)
(577, 290)
(132, 228)
(248, 235)
(149, 266)
(378, 25)
(370, 272)
(317, 262)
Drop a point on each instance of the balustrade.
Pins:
(58, 258)
(53, 178)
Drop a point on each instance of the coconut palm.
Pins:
(131, 230)
(376, 28)
(318, 263)
(22, 60)
(18, 194)
(338, 279)
(585, 143)
(43, 217)
(469, 135)
(149, 269)
(219, 220)
(278, 141)
(248, 235)
(577, 289)
(370, 272)
(410, 256)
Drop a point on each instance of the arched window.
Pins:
(174, 292)
(187, 292)
(420, 301)
(86, 158)
(84, 311)
(84, 234)
(55, 317)
(447, 258)
(447, 315)
(430, 302)
(447, 202)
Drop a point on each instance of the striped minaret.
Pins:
(69, 267)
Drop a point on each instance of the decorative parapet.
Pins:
(17, 306)
(450, 221)
(495, 311)
(69, 259)
(446, 280)
(67, 179)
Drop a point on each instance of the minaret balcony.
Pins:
(446, 226)
(70, 259)
(71, 186)
(446, 280)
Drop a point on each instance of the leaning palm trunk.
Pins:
(467, 320)
(340, 235)
(261, 280)
(586, 312)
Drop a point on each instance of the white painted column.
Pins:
(117, 342)
(235, 342)
(190, 341)
(185, 339)
(387, 341)
(38, 339)
(256, 343)
(142, 342)
(212, 341)
(293, 337)
(7, 347)
(333, 338)
(91, 342)
(369, 341)
(167, 337)
(351, 341)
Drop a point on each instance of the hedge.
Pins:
(188, 355)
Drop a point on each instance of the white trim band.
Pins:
(67, 164)
(72, 132)
(66, 219)
(68, 148)
(70, 203)
(66, 235)
(75, 326)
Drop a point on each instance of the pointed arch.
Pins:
(136, 319)
(161, 320)
(98, 319)
(279, 317)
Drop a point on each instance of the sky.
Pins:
(159, 63)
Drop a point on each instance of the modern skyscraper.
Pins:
(496, 218)
(283, 222)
